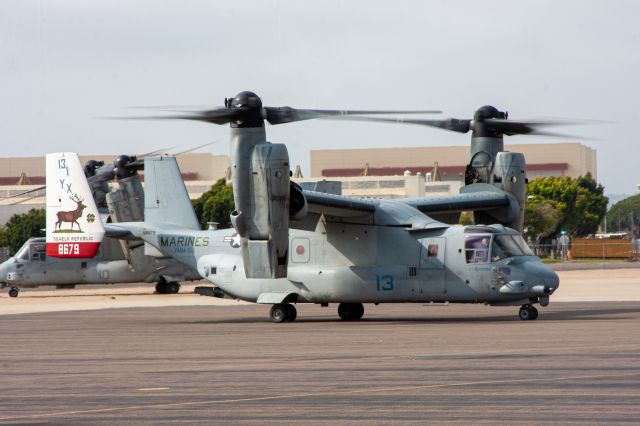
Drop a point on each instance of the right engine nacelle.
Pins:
(509, 175)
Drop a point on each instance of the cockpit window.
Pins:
(477, 248)
(509, 246)
(38, 251)
(23, 252)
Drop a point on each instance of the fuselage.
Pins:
(31, 267)
(362, 263)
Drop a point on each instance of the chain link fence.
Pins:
(589, 250)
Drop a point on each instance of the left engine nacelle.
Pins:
(508, 174)
(261, 217)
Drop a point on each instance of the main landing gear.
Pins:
(283, 312)
(164, 287)
(286, 312)
(528, 312)
(350, 311)
(14, 292)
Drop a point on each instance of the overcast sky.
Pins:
(65, 63)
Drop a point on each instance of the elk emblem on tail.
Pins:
(73, 215)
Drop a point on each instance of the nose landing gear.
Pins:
(528, 312)
(14, 292)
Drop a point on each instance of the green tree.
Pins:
(580, 202)
(541, 218)
(21, 227)
(215, 205)
(625, 215)
(466, 218)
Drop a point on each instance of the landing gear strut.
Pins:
(14, 292)
(283, 312)
(164, 287)
(350, 311)
(528, 313)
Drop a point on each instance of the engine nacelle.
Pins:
(505, 171)
(260, 172)
(509, 174)
(126, 204)
(298, 207)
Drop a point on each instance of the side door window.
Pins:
(476, 248)
(432, 252)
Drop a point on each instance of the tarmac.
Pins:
(226, 363)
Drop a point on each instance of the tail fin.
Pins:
(74, 228)
(166, 199)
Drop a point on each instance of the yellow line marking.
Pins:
(316, 394)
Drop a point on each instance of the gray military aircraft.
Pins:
(31, 267)
(118, 261)
(294, 246)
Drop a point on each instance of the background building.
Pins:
(367, 172)
(544, 159)
(199, 170)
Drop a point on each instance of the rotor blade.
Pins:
(452, 124)
(24, 193)
(562, 135)
(215, 116)
(194, 148)
(156, 152)
(281, 115)
(529, 127)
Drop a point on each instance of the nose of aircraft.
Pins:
(537, 273)
(4, 270)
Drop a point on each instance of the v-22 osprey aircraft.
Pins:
(357, 250)
(116, 261)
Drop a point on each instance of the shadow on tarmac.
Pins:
(595, 314)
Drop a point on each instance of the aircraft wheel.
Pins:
(350, 311)
(14, 292)
(279, 312)
(161, 287)
(173, 287)
(292, 313)
(528, 313)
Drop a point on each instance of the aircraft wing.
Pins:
(445, 209)
(334, 207)
(483, 200)
(338, 205)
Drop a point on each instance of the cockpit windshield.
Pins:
(23, 252)
(509, 246)
(33, 249)
(483, 248)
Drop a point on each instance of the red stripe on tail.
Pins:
(77, 250)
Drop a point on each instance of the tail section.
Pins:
(73, 222)
(166, 199)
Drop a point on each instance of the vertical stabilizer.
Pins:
(73, 222)
(166, 199)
